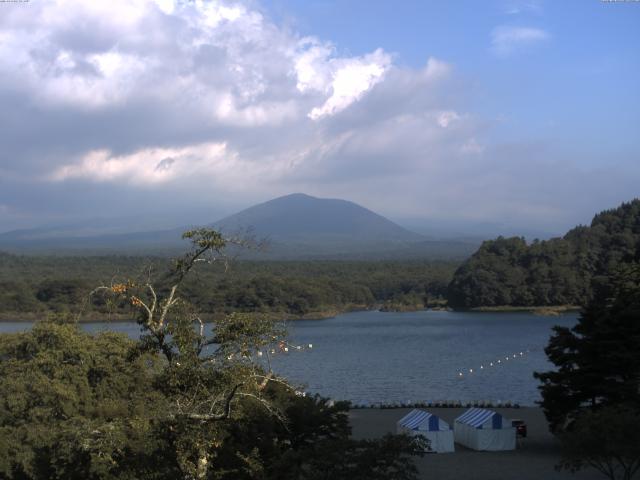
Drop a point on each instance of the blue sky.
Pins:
(583, 79)
(519, 115)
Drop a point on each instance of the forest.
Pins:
(35, 286)
(559, 271)
(503, 272)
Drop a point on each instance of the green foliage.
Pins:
(607, 440)
(315, 443)
(74, 405)
(57, 284)
(347, 459)
(507, 271)
(175, 404)
(598, 360)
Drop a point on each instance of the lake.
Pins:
(387, 357)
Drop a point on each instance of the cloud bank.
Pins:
(135, 105)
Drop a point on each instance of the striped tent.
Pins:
(433, 428)
(481, 429)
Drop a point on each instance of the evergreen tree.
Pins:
(598, 360)
(559, 271)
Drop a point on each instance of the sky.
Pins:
(510, 113)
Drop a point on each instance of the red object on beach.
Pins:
(521, 427)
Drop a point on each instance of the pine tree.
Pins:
(598, 360)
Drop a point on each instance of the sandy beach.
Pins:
(534, 459)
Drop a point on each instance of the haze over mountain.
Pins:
(295, 226)
(301, 218)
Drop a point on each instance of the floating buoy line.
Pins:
(265, 352)
(283, 347)
(493, 364)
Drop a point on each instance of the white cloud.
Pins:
(211, 101)
(228, 63)
(218, 71)
(350, 80)
(518, 7)
(311, 66)
(472, 147)
(506, 40)
(446, 118)
(148, 166)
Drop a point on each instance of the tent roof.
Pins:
(421, 420)
(476, 417)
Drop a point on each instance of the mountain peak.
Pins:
(302, 218)
(296, 195)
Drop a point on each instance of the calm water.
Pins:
(373, 357)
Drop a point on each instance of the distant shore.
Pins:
(91, 317)
(323, 314)
(540, 310)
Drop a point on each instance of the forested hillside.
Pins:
(508, 271)
(36, 286)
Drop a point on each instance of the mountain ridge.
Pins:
(299, 215)
(297, 226)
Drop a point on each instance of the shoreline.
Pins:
(325, 314)
(92, 317)
(552, 310)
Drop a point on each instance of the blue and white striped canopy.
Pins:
(424, 421)
(477, 417)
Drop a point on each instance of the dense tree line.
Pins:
(39, 285)
(508, 271)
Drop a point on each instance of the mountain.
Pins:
(302, 226)
(559, 271)
(301, 218)
(295, 226)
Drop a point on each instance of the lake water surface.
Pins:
(387, 357)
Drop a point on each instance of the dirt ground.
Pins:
(534, 459)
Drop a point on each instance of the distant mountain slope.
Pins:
(296, 226)
(45, 241)
(508, 271)
(302, 218)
